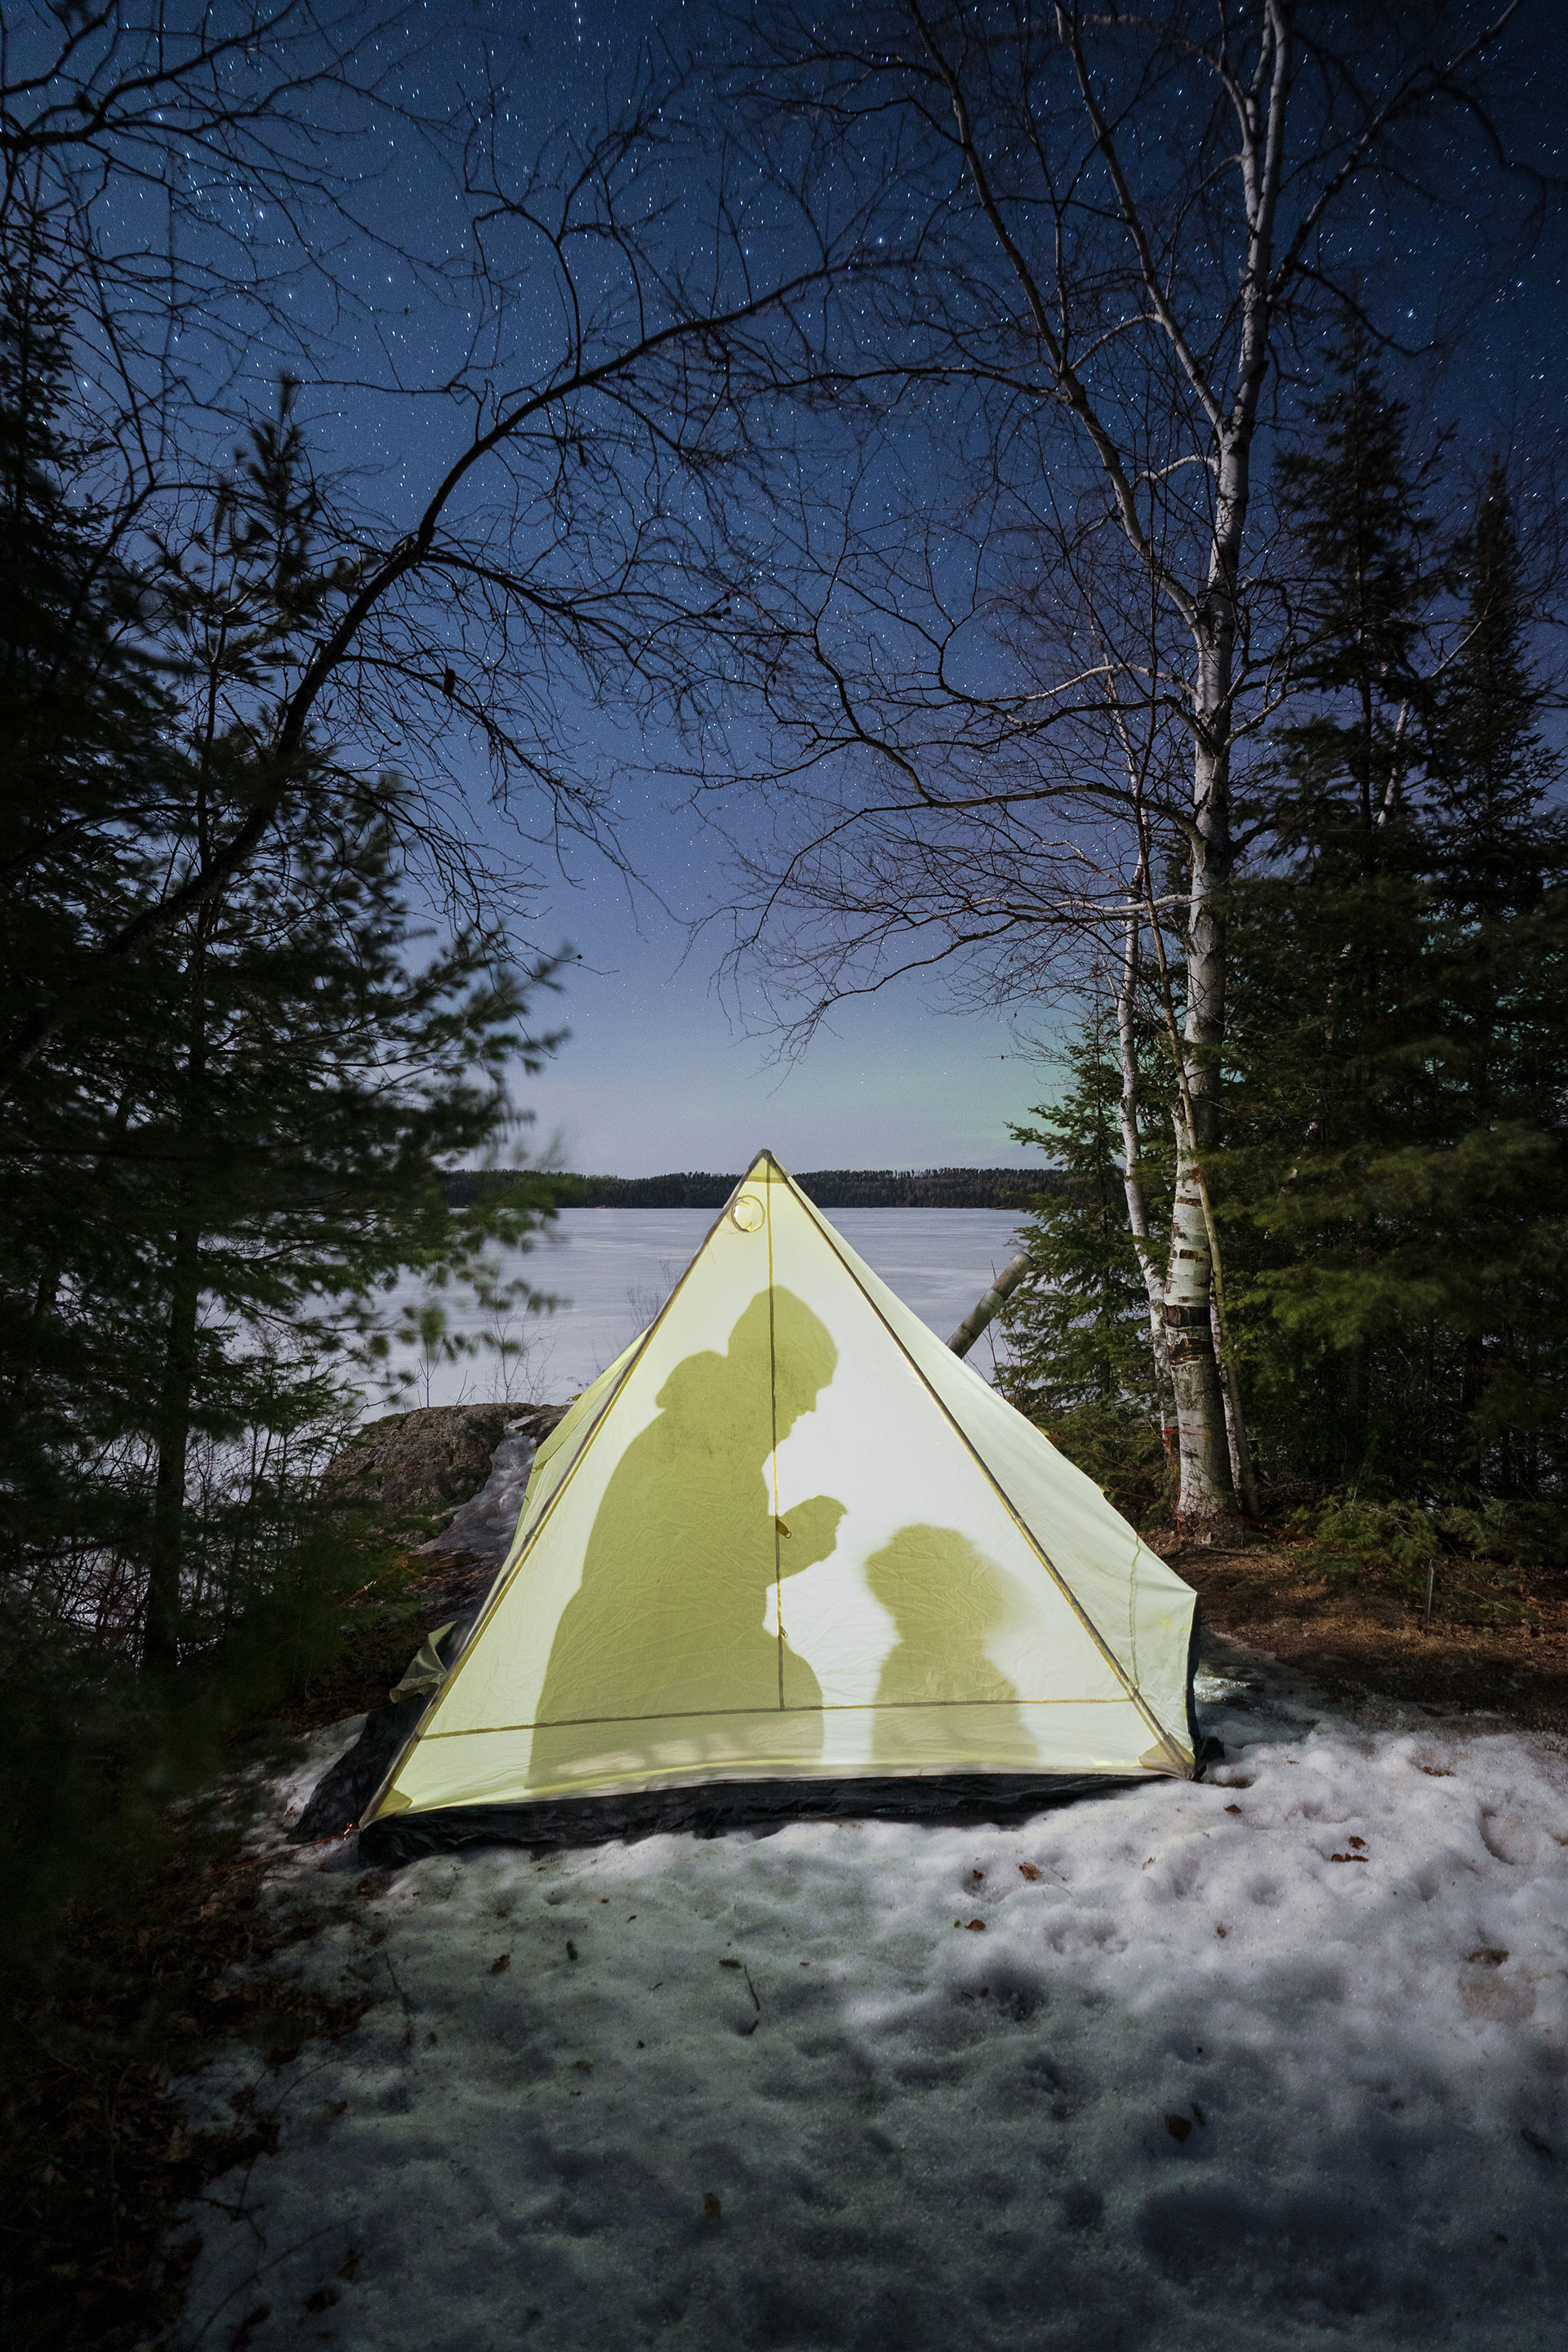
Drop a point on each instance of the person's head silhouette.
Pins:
(779, 1358)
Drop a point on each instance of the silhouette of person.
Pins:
(669, 1618)
(944, 1597)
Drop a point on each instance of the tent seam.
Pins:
(773, 1433)
(713, 1713)
(1096, 1636)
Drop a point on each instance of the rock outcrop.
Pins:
(483, 1529)
(461, 1469)
(421, 1462)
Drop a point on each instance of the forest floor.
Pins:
(1365, 1637)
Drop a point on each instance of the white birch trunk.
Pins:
(1207, 1491)
(1132, 1174)
(1207, 1500)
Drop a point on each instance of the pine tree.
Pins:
(88, 726)
(214, 1168)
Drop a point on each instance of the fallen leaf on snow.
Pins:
(499, 1967)
(975, 1927)
(1029, 1870)
(711, 2205)
(1179, 2128)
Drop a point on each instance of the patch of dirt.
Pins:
(1364, 1637)
(378, 1643)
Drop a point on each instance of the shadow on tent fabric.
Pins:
(944, 1598)
(669, 1619)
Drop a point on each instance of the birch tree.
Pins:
(1128, 224)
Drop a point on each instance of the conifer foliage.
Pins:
(1389, 1179)
(230, 1138)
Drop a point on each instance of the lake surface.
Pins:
(611, 1270)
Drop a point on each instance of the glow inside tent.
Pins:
(789, 1536)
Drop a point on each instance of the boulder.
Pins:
(419, 1464)
(482, 1529)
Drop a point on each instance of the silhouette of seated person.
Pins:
(944, 1598)
(670, 1616)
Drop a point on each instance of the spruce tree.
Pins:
(1082, 1360)
(1394, 1098)
(1497, 864)
(1331, 1024)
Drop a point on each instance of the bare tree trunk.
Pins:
(160, 1621)
(991, 1304)
(1207, 1498)
(1133, 1173)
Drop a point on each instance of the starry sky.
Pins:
(663, 1069)
(662, 1066)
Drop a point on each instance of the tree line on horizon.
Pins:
(829, 1188)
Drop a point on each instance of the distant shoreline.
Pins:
(829, 1188)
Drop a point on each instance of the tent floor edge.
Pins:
(1206, 1749)
(945, 1801)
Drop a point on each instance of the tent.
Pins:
(790, 1552)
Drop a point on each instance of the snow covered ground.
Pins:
(1277, 2061)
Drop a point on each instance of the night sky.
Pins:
(657, 1073)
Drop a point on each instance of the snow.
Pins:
(1275, 2061)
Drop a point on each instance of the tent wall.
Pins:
(790, 1535)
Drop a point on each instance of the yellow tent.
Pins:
(789, 1537)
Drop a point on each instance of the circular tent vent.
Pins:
(747, 1212)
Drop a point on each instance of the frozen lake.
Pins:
(611, 1270)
